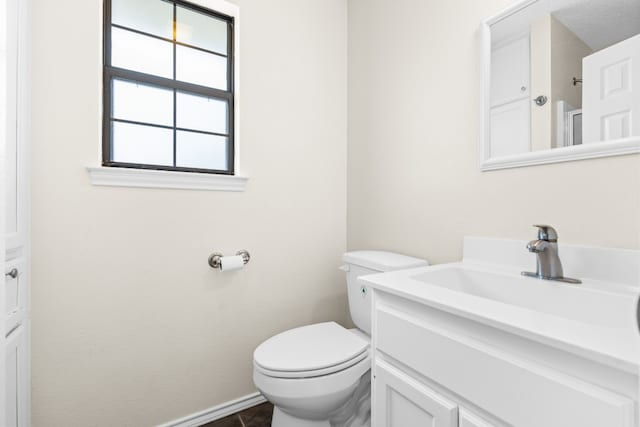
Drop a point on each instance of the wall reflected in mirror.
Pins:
(564, 73)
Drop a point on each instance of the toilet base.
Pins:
(282, 419)
(356, 412)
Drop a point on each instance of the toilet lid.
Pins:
(310, 348)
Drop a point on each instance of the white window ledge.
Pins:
(145, 178)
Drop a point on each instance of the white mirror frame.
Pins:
(555, 155)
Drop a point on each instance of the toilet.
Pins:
(319, 375)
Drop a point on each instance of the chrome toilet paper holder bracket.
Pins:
(215, 259)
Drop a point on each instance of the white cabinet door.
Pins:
(469, 419)
(611, 98)
(401, 401)
(16, 393)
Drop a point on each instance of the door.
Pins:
(510, 74)
(14, 292)
(510, 128)
(3, 142)
(611, 98)
(401, 401)
(510, 105)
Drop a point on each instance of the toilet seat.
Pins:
(312, 373)
(310, 351)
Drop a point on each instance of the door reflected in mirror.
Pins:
(561, 73)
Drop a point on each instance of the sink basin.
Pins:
(595, 320)
(590, 302)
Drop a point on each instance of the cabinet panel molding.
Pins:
(402, 401)
(469, 419)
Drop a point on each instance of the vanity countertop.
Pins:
(605, 329)
(615, 346)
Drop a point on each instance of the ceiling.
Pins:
(601, 23)
(598, 23)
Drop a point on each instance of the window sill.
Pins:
(144, 178)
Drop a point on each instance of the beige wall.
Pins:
(542, 132)
(567, 52)
(413, 176)
(130, 325)
(556, 57)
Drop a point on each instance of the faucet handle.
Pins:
(547, 232)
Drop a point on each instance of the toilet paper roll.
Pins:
(230, 263)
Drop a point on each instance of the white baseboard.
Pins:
(218, 411)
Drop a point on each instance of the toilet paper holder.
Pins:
(216, 257)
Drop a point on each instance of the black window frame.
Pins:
(110, 73)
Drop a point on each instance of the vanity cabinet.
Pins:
(431, 367)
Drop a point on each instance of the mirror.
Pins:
(561, 82)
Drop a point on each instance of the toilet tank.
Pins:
(361, 263)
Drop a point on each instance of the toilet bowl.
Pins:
(320, 375)
(314, 375)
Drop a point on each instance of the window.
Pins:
(168, 87)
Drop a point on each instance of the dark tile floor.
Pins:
(258, 416)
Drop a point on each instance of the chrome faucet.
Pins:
(545, 247)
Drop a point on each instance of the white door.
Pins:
(510, 128)
(3, 142)
(510, 74)
(14, 254)
(401, 401)
(510, 105)
(611, 98)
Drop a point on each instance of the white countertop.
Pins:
(615, 345)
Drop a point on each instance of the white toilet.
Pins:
(319, 375)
